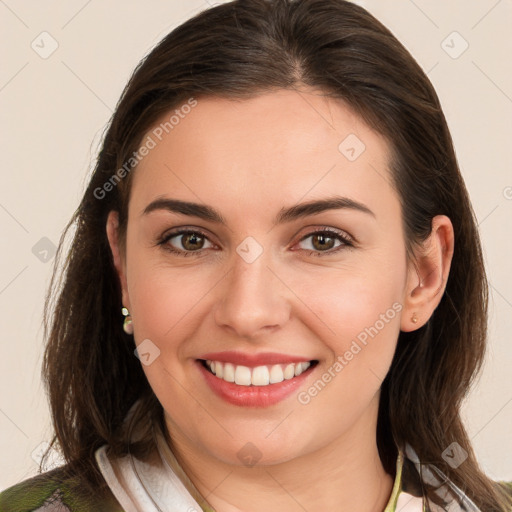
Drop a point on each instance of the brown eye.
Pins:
(192, 241)
(322, 242)
(325, 241)
(186, 242)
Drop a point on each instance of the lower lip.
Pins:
(253, 396)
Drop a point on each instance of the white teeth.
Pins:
(243, 376)
(276, 374)
(258, 376)
(229, 372)
(301, 367)
(289, 372)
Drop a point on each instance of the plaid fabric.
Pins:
(53, 491)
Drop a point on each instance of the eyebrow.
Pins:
(289, 214)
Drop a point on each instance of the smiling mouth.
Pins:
(264, 375)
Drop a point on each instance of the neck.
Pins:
(346, 474)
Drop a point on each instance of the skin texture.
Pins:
(249, 159)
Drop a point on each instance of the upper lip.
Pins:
(253, 360)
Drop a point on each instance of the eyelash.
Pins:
(347, 243)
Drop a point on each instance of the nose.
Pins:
(253, 300)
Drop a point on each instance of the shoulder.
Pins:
(55, 490)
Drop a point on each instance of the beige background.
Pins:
(53, 111)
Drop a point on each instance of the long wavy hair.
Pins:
(238, 50)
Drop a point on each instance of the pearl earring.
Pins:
(127, 324)
(414, 319)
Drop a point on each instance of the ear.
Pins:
(427, 274)
(118, 257)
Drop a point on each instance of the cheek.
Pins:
(163, 298)
(366, 324)
(165, 307)
(342, 302)
(355, 312)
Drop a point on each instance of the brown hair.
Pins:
(237, 50)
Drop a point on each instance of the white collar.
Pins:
(145, 487)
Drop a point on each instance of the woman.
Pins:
(278, 215)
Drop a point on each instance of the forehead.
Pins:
(282, 146)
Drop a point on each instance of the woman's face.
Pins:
(265, 281)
